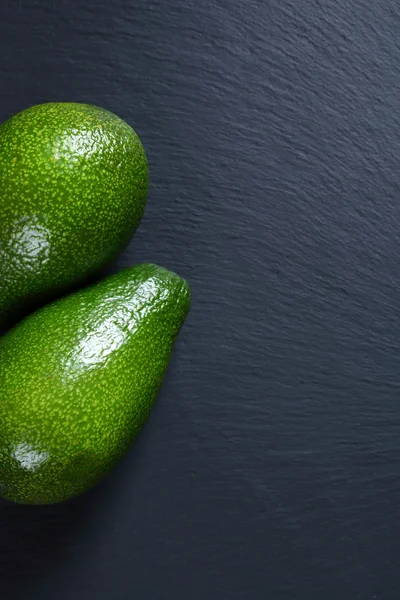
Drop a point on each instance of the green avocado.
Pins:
(78, 379)
(73, 186)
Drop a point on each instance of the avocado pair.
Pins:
(79, 376)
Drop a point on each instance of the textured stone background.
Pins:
(270, 466)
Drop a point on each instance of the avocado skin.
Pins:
(78, 379)
(73, 187)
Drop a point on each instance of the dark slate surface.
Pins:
(270, 466)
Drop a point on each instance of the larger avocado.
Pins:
(73, 186)
(78, 379)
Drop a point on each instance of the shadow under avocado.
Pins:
(37, 540)
(32, 540)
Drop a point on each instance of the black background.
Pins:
(270, 465)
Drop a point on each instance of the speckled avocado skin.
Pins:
(73, 186)
(78, 379)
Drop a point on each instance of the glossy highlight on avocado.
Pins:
(73, 187)
(78, 379)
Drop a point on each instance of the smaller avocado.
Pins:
(73, 187)
(78, 379)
